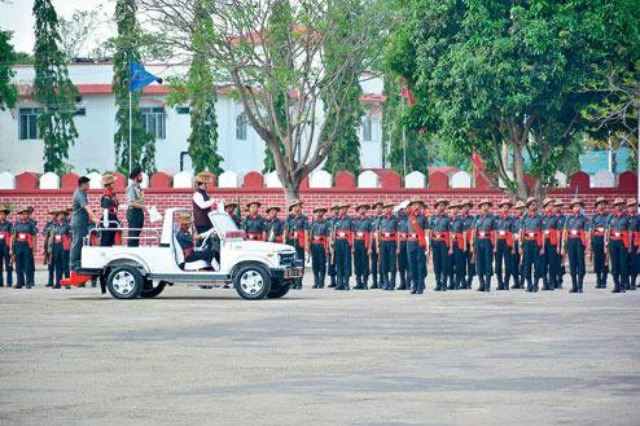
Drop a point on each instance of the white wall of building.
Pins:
(94, 147)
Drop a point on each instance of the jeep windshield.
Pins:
(225, 226)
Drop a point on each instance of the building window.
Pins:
(155, 122)
(29, 123)
(183, 110)
(241, 127)
(366, 130)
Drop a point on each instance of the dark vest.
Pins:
(201, 216)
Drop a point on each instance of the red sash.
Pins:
(387, 236)
(299, 236)
(578, 233)
(505, 235)
(319, 239)
(459, 238)
(5, 236)
(552, 236)
(363, 236)
(62, 239)
(422, 239)
(25, 237)
(620, 235)
(533, 235)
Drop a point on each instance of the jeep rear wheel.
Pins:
(252, 282)
(125, 282)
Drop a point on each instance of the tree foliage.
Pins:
(510, 77)
(345, 150)
(126, 51)
(53, 89)
(8, 91)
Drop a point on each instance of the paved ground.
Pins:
(320, 357)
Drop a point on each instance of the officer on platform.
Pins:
(362, 231)
(319, 233)
(469, 225)
(575, 237)
(618, 238)
(483, 244)
(532, 247)
(6, 247)
(387, 241)
(342, 243)
(457, 250)
(109, 203)
(516, 227)
(375, 250)
(503, 244)
(82, 215)
(135, 204)
(439, 229)
(202, 203)
(634, 229)
(417, 244)
(296, 233)
(273, 226)
(253, 223)
(549, 260)
(598, 226)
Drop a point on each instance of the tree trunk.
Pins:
(291, 192)
(518, 172)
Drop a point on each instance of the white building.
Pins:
(239, 145)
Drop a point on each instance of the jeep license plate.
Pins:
(294, 273)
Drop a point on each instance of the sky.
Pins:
(16, 16)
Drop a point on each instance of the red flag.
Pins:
(405, 93)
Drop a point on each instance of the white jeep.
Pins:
(256, 269)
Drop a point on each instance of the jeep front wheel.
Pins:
(252, 282)
(125, 282)
(279, 290)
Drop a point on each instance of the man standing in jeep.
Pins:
(202, 203)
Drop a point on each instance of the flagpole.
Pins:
(130, 129)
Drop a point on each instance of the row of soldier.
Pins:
(395, 242)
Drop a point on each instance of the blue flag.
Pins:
(139, 77)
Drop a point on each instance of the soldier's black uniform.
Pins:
(598, 226)
(362, 230)
(483, 245)
(273, 230)
(550, 260)
(47, 251)
(469, 224)
(253, 226)
(60, 235)
(562, 218)
(416, 246)
(403, 259)
(374, 266)
(458, 263)
(634, 257)
(516, 265)
(576, 226)
(319, 234)
(440, 226)
(24, 233)
(619, 250)
(504, 249)
(342, 237)
(296, 225)
(6, 232)
(388, 227)
(531, 245)
(331, 268)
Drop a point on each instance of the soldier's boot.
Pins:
(481, 283)
(545, 284)
(392, 282)
(365, 282)
(332, 283)
(374, 284)
(574, 284)
(580, 282)
(616, 285)
(452, 282)
(339, 283)
(358, 283)
(322, 277)
(632, 282)
(346, 284)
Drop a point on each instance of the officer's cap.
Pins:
(441, 201)
(251, 203)
(21, 210)
(294, 203)
(109, 179)
(519, 205)
(365, 205)
(632, 202)
(530, 200)
(204, 178)
(6, 209)
(376, 204)
(319, 210)
(276, 208)
(485, 201)
(600, 200)
(185, 219)
(417, 200)
(135, 172)
(576, 202)
(389, 203)
(558, 203)
(505, 202)
(618, 201)
(547, 201)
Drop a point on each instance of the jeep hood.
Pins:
(261, 246)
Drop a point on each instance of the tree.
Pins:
(242, 44)
(345, 152)
(143, 148)
(507, 78)
(75, 32)
(8, 91)
(53, 90)
(203, 140)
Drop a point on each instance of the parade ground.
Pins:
(196, 356)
